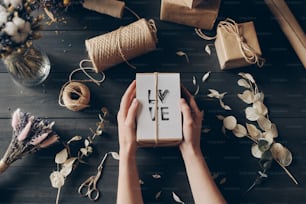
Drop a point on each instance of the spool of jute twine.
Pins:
(122, 44)
(75, 95)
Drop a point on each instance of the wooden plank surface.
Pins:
(282, 79)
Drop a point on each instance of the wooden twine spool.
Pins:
(81, 98)
(122, 44)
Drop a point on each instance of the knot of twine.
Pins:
(122, 44)
(75, 95)
(249, 54)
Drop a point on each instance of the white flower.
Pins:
(3, 16)
(19, 29)
(14, 3)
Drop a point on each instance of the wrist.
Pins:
(127, 153)
(191, 152)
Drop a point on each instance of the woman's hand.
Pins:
(192, 123)
(127, 121)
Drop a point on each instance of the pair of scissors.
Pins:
(89, 186)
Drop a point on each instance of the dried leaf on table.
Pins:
(256, 151)
(225, 107)
(251, 114)
(253, 131)
(264, 123)
(75, 138)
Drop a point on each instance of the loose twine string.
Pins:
(122, 44)
(81, 91)
(231, 27)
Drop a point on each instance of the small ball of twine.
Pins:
(122, 44)
(75, 96)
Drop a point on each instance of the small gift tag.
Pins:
(159, 120)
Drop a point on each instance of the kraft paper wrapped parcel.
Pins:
(196, 13)
(237, 45)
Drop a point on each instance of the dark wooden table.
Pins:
(282, 79)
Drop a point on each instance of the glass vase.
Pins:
(28, 67)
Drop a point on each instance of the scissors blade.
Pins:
(102, 162)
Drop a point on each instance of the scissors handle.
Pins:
(93, 194)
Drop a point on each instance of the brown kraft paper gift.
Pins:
(237, 45)
(202, 16)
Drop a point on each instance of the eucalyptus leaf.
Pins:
(263, 144)
(240, 131)
(260, 108)
(61, 157)
(230, 122)
(281, 154)
(251, 114)
(247, 96)
(264, 123)
(253, 131)
(57, 179)
(75, 138)
(255, 151)
(243, 83)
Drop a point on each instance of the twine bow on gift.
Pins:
(249, 54)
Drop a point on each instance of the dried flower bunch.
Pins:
(29, 135)
(17, 26)
(54, 7)
(260, 129)
(66, 162)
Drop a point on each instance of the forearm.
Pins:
(129, 191)
(202, 185)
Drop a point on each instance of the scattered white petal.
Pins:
(115, 155)
(197, 90)
(157, 195)
(230, 122)
(223, 180)
(205, 76)
(156, 176)
(207, 49)
(213, 93)
(177, 198)
(141, 182)
(181, 53)
(206, 130)
(194, 80)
